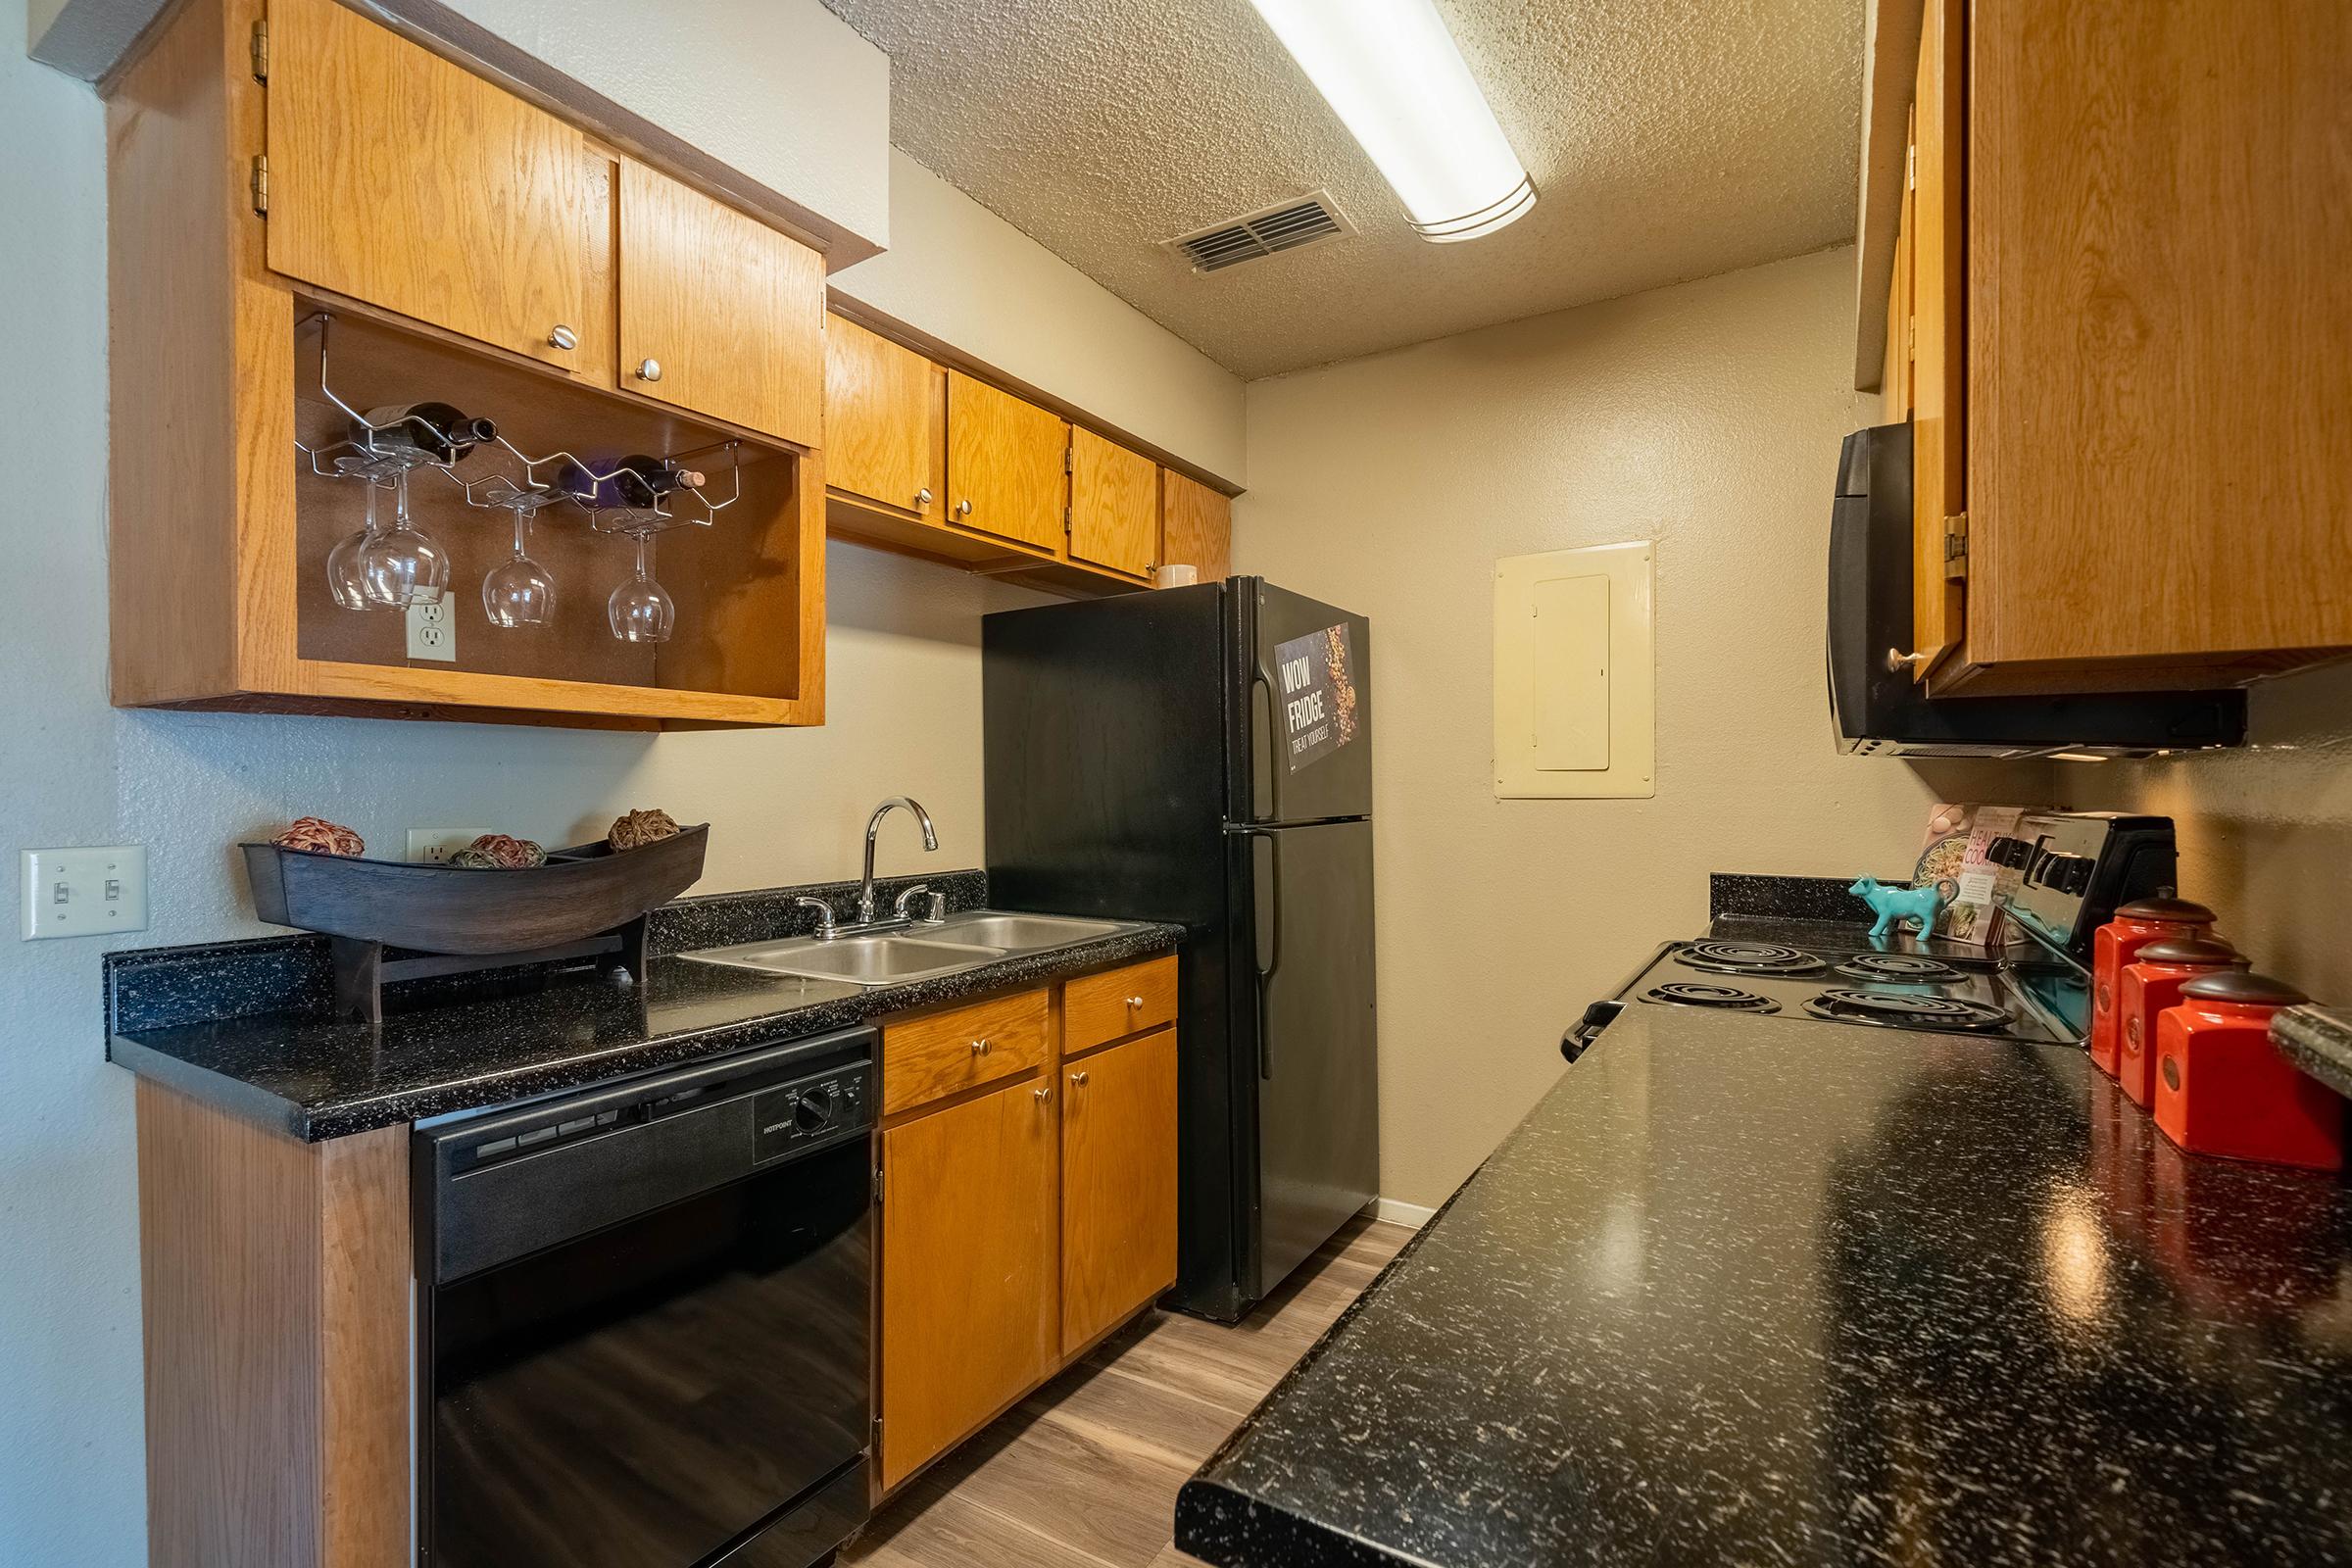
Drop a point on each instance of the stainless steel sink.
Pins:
(884, 961)
(1017, 933)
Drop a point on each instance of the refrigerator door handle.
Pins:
(1262, 756)
(1265, 971)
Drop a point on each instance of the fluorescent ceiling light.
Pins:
(1390, 70)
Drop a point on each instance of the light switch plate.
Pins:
(433, 631)
(435, 845)
(83, 893)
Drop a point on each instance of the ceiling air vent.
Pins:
(1284, 226)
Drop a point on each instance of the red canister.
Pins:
(2222, 1087)
(2150, 983)
(2113, 945)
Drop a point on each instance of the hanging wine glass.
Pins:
(344, 578)
(403, 566)
(519, 591)
(639, 610)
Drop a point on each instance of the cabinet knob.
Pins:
(964, 508)
(980, 1046)
(1078, 1079)
(1134, 1003)
(922, 497)
(649, 371)
(564, 337)
(1897, 660)
(1043, 1094)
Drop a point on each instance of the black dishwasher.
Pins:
(644, 1318)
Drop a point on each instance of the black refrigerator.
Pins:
(1203, 755)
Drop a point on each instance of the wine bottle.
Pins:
(435, 429)
(656, 477)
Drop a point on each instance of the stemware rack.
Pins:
(545, 480)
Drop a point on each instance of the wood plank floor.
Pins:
(1084, 1473)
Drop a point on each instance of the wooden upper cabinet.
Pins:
(881, 420)
(406, 183)
(1939, 205)
(2159, 345)
(968, 1291)
(1006, 458)
(1196, 527)
(1895, 381)
(1114, 503)
(1118, 1184)
(720, 314)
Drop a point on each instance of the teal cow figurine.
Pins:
(1895, 905)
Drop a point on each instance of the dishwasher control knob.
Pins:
(814, 1111)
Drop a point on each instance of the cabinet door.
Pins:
(1939, 350)
(1118, 1184)
(1196, 527)
(881, 418)
(719, 314)
(1114, 503)
(400, 179)
(968, 1268)
(1006, 474)
(1895, 385)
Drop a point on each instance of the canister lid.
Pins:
(2205, 951)
(2241, 986)
(2168, 911)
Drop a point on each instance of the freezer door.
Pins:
(1318, 1108)
(1301, 674)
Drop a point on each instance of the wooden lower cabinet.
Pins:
(1118, 1184)
(1022, 1217)
(968, 1258)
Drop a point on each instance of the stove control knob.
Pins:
(813, 1111)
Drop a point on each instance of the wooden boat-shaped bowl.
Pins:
(579, 893)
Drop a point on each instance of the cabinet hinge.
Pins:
(1956, 546)
(260, 183)
(260, 52)
(877, 1434)
(878, 1192)
(1065, 519)
(1911, 167)
(1070, 459)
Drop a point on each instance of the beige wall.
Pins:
(1705, 417)
(2266, 831)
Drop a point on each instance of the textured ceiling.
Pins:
(1669, 139)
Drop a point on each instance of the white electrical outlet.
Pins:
(85, 893)
(433, 631)
(435, 845)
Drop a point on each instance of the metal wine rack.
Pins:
(545, 480)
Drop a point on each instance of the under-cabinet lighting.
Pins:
(1391, 71)
(2077, 757)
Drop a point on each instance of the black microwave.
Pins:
(1876, 708)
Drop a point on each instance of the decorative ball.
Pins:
(505, 852)
(316, 835)
(634, 829)
(470, 859)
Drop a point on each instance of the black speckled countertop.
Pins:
(319, 1079)
(2318, 1040)
(1751, 1290)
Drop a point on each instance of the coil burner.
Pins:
(1698, 993)
(1905, 968)
(1750, 957)
(1904, 1009)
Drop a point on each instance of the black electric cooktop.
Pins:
(1883, 987)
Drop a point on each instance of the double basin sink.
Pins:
(963, 941)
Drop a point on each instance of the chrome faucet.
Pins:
(873, 824)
